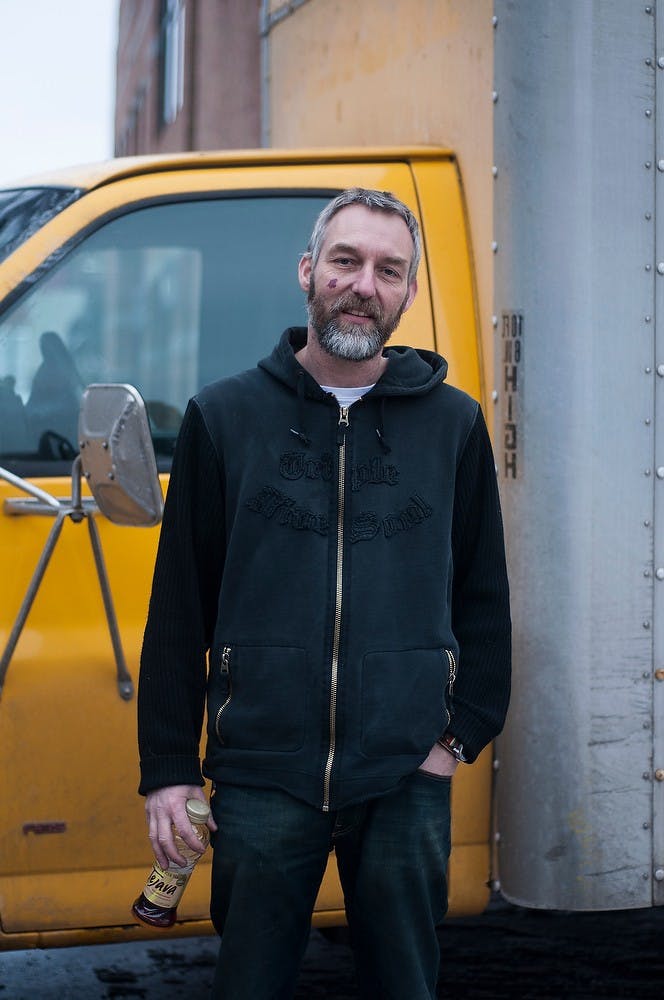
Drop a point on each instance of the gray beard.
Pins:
(351, 342)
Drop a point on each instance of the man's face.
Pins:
(359, 288)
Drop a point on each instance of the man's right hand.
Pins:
(165, 808)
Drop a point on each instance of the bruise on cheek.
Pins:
(332, 283)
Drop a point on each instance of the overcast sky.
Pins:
(57, 75)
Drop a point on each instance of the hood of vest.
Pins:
(409, 372)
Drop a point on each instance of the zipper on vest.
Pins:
(336, 640)
(225, 669)
(451, 677)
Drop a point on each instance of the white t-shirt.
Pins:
(348, 396)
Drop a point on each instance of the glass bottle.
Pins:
(157, 904)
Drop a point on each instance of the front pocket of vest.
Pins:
(264, 698)
(403, 701)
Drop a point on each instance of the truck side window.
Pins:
(168, 297)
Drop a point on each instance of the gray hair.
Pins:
(382, 201)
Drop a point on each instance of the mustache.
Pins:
(348, 302)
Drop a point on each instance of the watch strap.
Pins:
(452, 745)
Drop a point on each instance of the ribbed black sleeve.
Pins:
(480, 600)
(182, 612)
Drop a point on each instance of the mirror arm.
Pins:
(31, 593)
(77, 512)
(29, 488)
(125, 683)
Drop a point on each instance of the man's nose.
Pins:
(364, 284)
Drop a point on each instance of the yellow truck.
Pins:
(163, 273)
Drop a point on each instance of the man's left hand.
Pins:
(439, 762)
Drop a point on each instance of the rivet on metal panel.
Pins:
(496, 765)
(646, 725)
(646, 573)
(659, 573)
(659, 874)
(660, 371)
(496, 837)
(494, 395)
(648, 112)
(648, 267)
(646, 625)
(659, 774)
(494, 21)
(648, 319)
(660, 267)
(646, 775)
(659, 674)
(647, 472)
(646, 675)
(648, 370)
(646, 825)
(494, 321)
(648, 61)
(648, 10)
(494, 247)
(494, 96)
(645, 877)
(660, 62)
(647, 421)
(647, 164)
(648, 216)
(660, 164)
(646, 524)
(660, 471)
(494, 171)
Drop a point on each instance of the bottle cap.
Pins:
(197, 811)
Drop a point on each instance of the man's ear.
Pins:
(412, 292)
(304, 271)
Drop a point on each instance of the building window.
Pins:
(172, 59)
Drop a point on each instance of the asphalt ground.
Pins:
(505, 954)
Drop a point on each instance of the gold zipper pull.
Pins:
(343, 423)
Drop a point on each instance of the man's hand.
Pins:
(166, 807)
(440, 762)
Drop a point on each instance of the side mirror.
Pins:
(117, 456)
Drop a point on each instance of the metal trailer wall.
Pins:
(579, 284)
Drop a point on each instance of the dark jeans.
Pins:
(269, 858)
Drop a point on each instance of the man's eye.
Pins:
(389, 272)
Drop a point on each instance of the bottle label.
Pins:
(164, 888)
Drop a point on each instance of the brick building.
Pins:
(188, 75)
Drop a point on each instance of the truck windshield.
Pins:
(25, 210)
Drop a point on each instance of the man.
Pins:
(332, 536)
